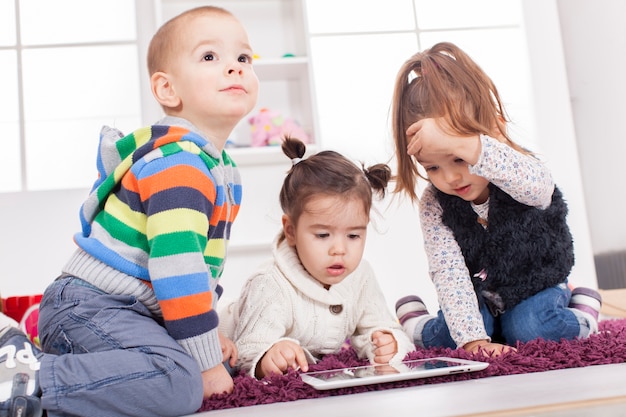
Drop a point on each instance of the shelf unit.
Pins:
(276, 28)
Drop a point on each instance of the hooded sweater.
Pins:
(156, 226)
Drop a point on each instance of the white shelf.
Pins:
(247, 249)
(249, 156)
(257, 155)
(272, 69)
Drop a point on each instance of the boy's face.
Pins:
(329, 237)
(211, 71)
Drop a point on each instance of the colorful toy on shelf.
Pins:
(269, 128)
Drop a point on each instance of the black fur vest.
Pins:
(522, 251)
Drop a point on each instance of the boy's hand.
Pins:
(386, 346)
(229, 350)
(280, 357)
(217, 380)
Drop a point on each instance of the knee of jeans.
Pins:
(532, 324)
(436, 334)
(183, 393)
(519, 332)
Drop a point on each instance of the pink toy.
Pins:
(269, 128)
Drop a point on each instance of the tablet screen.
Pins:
(371, 374)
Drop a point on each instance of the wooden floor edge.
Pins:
(549, 408)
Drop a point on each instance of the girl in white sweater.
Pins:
(317, 292)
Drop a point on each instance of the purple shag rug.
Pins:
(606, 347)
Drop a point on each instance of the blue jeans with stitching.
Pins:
(106, 355)
(544, 315)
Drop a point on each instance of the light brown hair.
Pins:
(327, 173)
(445, 82)
(164, 43)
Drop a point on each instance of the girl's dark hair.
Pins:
(445, 82)
(327, 173)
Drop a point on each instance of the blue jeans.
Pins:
(106, 355)
(544, 315)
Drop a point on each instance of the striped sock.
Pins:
(410, 307)
(586, 300)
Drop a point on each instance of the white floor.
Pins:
(591, 391)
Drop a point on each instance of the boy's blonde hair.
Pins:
(162, 48)
(443, 82)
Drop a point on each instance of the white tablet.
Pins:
(375, 374)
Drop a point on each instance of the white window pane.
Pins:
(442, 14)
(66, 104)
(62, 154)
(9, 124)
(46, 22)
(81, 83)
(9, 106)
(342, 16)
(10, 176)
(7, 22)
(365, 94)
(503, 55)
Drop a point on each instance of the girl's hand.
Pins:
(229, 350)
(431, 138)
(426, 134)
(492, 349)
(280, 357)
(386, 346)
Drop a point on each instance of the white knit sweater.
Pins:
(282, 301)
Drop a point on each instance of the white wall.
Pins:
(36, 237)
(594, 43)
(37, 227)
(555, 127)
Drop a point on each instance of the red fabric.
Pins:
(15, 307)
(608, 346)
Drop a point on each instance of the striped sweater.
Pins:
(156, 225)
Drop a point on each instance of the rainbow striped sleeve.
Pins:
(164, 214)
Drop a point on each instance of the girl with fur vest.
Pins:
(494, 223)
